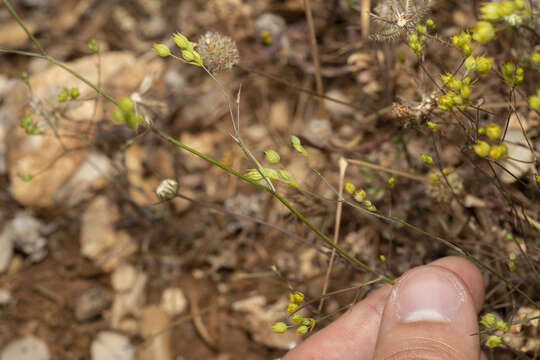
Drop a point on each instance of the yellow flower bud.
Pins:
(302, 329)
(292, 307)
(493, 131)
(359, 195)
(349, 187)
(493, 341)
(297, 318)
(279, 327)
(483, 32)
(498, 151)
(481, 148)
(298, 296)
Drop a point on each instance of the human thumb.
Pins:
(430, 314)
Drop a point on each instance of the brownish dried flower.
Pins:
(218, 52)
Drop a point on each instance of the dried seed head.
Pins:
(218, 52)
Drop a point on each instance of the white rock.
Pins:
(319, 131)
(24, 232)
(5, 297)
(173, 301)
(26, 348)
(519, 150)
(99, 239)
(123, 277)
(91, 175)
(111, 346)
(129, 303)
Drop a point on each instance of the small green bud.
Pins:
(470, 63)
(270, 173)
(508, 69)
(254, 175)
(118, 116)
(26, 121)
(287, 176)
(349, 187)
(481, 148)
(272, 156)
(24, 77)
(391, 182)
(430, 23)
(162, 50)
(537, 178)
(490, 11)
(534, 102)
(74, 93)
(493, 341)
(63, 96)
(369, 206)
(302, 329)
(493, 131)
(465, 91)
(488, 320)
(93, 45)
(483, 65)
(481, 131)
(501, 325)
(483, 32)
(432, 125)
(298, 145)
(279, 327)
(126, 105)
(24, 177)
(133, 120)
(382, 258)
(182, 42)
(426, 159)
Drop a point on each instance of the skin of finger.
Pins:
(467, 272)
(426, 339)
(356, 329)
(354, 334)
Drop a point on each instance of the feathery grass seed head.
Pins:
(218, 52)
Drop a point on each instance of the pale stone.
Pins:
(99, 240)
(123, 277)
(173, 301)
(111, 346)
(91, 303)
(26, 348)
(155, 320)
(129, 303)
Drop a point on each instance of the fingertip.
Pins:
(468, 273)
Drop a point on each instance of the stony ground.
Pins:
(94, 266)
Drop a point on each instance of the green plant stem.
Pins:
(21, 23)
(291, 208)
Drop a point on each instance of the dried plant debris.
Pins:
(399, 17)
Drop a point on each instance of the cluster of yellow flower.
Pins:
(303, 325)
